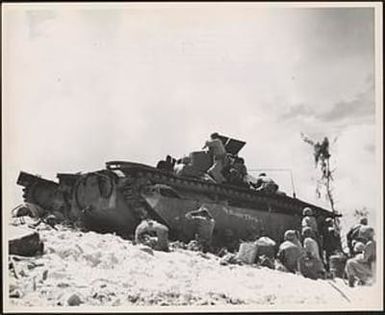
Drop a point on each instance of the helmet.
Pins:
(359, 247)
(289, 235)
(307, 211)
(307, 232)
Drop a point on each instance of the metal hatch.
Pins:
(232, 146)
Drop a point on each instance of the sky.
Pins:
(85, 85)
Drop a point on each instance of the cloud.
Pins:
(361, 108)
(358, 110)
(298, 111)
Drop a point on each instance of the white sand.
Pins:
(107, 270)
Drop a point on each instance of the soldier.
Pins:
(310, 265)
(147, 228)
(331, 240)
(309, 244)
(231, 243)
(167, 165)
(353, 233)
(218, 151)
(364, 234)
(265, 247)
(204, 227)
(309, 220)
(289, 252)
(237, 172)
(362, 266)
(265, 183)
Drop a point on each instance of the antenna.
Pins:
(279, 170)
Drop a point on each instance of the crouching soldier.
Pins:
(354, 234)
(310, 245)
(266, 251)
(289, 251)
(310, 264)
(362, 266)
(204, 227)
(144, 235)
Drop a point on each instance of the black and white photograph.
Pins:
(192, 156)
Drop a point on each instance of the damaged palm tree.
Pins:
(322, 161)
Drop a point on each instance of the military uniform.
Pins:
(218, 151)
(354, 234)
(289, 254)
(362, 266)
(150, 227)
(204, 227)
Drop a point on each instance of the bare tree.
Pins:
(322, 161)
